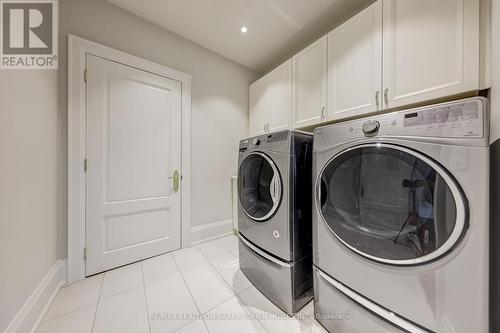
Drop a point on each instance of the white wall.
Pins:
(33, 139)
(219, 94)
(30, 179)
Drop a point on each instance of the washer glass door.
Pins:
(391, 204)
(259, 186)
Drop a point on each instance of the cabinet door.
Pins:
(279, 97)
(309, 79)
(431, 49)
(257, 108)
(355, 65)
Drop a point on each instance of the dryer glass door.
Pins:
(391, 204)
(259, 186)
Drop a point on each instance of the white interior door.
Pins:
(133, 148)
(355, 65)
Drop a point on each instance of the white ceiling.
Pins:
(276, 28)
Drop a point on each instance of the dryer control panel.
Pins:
(454, 120)
(458, 120)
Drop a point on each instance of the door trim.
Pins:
(77, 50)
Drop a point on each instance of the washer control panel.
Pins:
(276, 141)
(281, 136)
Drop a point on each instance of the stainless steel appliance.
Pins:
(401, 220)
(274, 216)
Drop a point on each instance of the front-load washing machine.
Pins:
(400, 224)
(275, 216)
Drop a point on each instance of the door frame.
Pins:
(77, 50)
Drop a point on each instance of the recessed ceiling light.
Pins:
(244, 29)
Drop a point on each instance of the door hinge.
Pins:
(84, 253)
(85, 75)
(85, 165)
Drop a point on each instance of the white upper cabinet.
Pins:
(279, 97)
(257, 108)
(392, 54)
(431, 49)
(309, 82)
(270, 101)
(355, 65)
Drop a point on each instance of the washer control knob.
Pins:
(371, 127)
(256, 141)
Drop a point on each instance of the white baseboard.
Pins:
(210, 231)
(32, 312)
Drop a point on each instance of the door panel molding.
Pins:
(78, 48)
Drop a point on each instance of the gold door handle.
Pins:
(175, 178)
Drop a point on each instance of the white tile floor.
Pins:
(199, 289)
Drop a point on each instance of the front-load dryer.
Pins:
(400, 224)
(275, 216)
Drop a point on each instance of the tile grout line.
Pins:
(162, 275)
(227, 248)
(102, 280)
(240, 299)
(237, 257)
(179, 270)
(249, 308)
(145, 296)
(236, 294)
(98, 302)
(189, 291)
(218, 273)
(124, 290)
(66, 313)
(252, 312)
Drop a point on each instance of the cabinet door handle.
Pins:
(386, 97)
(377, 95)
(323, 117)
